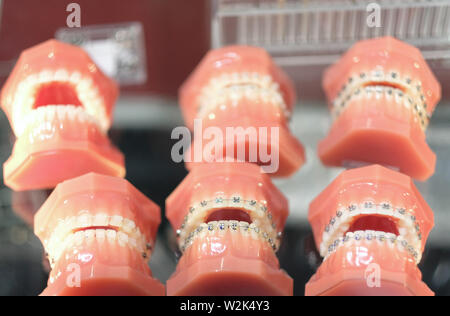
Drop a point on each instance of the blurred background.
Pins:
(151, 46)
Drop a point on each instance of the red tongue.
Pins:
(229, 215)
(374, 222)
(56, 93)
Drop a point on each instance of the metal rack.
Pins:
(316, 32)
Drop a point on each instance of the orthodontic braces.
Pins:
(236, 202)
(215, 226)
(236, 86)
(370, 235)
(370, 208)
(355, 87)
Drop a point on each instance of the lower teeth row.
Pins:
(233, 226)
(370, 235)
(99, 235)
(419, 109)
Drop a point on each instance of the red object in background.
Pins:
(177, 33)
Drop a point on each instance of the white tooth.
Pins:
(232, 224)
(266, 81)
(133, 243)
(100, 234)
(361, 235)
(71, 223)
(40, 115)
(32, 80)
(235, 78)
(75, 77)
(122, 238)
(100, 220)
(61, 112)
(69, 241)
(71, 113)
(81, 116)
(84, 85)
(350, 235)
(128, 226)
(84, 220)
(45, 76)
(50, 113)
(402, 231)
(61, 75)
(89, 235)
(213, 224)
(254, 231)
(203, 231)
(116, 221)
(111, 235)
(79, 237)
(244, 228)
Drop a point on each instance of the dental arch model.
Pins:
(382, 95)
(105, 228)
(370, 215)
(59, 105)
(241, 87)
(228, 216)
(228, 240)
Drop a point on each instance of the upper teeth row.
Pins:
(375, 236)
(233, 226)
(258, 212)
(235, 86)
(356, 83)
(87, 92)
(408, 226)
(66, 227)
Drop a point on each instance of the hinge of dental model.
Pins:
(236, 86)
(256, 210)
(404, 91)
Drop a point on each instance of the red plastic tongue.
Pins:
(56, 93)
(229, 215)
(374, 222)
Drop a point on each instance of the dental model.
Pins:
(98, 232)
(382, 95)
(229, 219)
(240, 87)
(59, 105)
(370, 225)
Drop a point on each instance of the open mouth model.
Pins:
(229, 219)
(60, 108)
(367, 216)
(110, 239)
